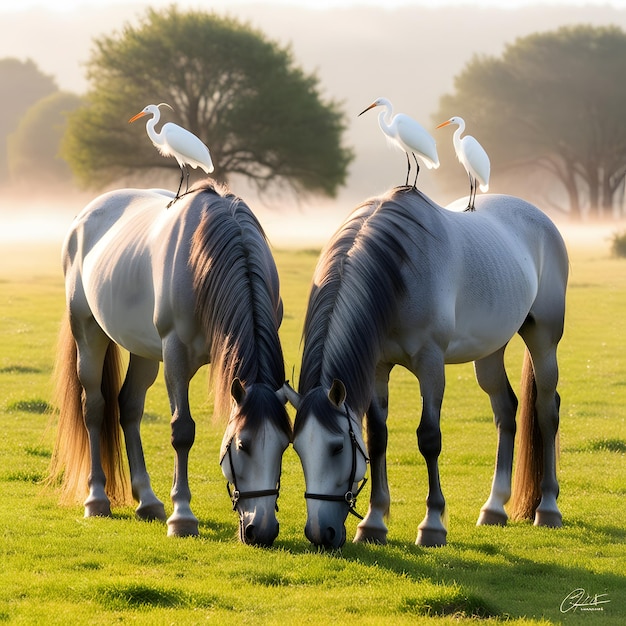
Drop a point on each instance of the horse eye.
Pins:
(336, 449)
(243, 446)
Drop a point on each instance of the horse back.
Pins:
(475, 277)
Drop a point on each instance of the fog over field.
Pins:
(408, 54)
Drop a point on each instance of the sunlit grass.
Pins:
(58, 567)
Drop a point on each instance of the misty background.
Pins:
(408, 54)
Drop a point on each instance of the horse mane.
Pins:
(261, 404)
(354, 295)
(237, 299)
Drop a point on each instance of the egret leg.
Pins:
(180, 186)
(417, 165)
(187, 181)
(470, 203)
(408, 169)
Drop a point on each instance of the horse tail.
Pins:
(526, 492)
(71, 462)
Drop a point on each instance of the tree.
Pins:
(34, 146)
(553, 102)
(261, 116)
(21, 85)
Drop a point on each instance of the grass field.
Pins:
(58, 567)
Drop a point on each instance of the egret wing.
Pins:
(477, 161)
(186, 147)
(417, 139)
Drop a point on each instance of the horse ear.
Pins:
(237, 391)
(288, 393)
(337, 393)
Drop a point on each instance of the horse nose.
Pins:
(249, 534)
(327, 537)
(254, 536)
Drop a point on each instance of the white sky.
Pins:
(11, 6)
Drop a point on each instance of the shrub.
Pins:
(618, 244)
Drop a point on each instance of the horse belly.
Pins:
(480, 331)
(481, 342)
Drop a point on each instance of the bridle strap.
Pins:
(236, 495)
(349, 497)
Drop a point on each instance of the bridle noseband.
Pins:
(235, 494)
(349, 497)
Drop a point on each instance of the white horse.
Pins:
(188, 285)
(404, 281)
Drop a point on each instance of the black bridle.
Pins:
(235, 494)
(349, 497)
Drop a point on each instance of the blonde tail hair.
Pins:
(71, 463)
(526, 492)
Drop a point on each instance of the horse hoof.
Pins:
(371, 535)
(492, 518)
(182, 528)
(431, 538)
(151, 512)
(98, 508)
(550, 519)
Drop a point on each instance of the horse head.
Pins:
(257, 435)
(329, 442)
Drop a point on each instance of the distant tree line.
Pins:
(551, 109)
(23, 88)
(261, 116)
(548, 110)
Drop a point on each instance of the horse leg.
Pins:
(432, 530)
(543, 352)
(373, 528)
(492, 378)
(92, 344)
(140, 376)
(182, 522)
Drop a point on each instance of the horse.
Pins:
(189, 285)
(406, 282)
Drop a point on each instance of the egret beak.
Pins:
(443, 124)
(371, 106)
(136, 117)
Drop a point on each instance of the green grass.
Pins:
(58, 567)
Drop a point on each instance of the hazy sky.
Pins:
(391, 49)
(67, 5)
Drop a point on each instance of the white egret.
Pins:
(175, 141)
(472, 157)
(408, 135)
